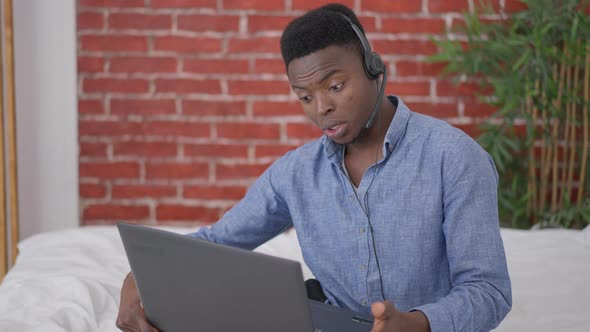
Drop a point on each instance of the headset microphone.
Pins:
(378, 103)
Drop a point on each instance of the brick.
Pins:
(248, 130)
(177, 129)
(188, 86)
(214, 192)
(194, 45)
(112, 3)
(369, 23)
(404, 47)
(511, 6)
(92, 190)
(303, 131)
(142, 191)
(113, 43)
(485, 6)
(88, 64)
(458, 23)
(108, 128)
(215, 23)
(470, 129)
(478, 109)
(312, 4)
(216, 150)
(178, 212)
(115, 211)
(413, 25)
(173, 171)
(90, 106)
(418, 68)
(469, 89)
(91, 149)
(437, 110)
(273, 66)
(184, 4)
(136, 21)
(128, 85)
(257, 23)
(89, 21)
(253, 4)
(264, 151)
(409, 88)
(143, 65)
(109, 170)
(145, 149)
(216, 108)
(270, 108)
(254, 45)
(388, 6)
(442, 6)
(248, 87)
(239, 171)
(216, 66)
(142, 106)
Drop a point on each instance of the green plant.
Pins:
(536, 63)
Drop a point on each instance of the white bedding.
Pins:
(70, 280)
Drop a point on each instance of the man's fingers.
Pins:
(382, 310)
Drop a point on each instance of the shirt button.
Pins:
(363, 267)
(363, 230)
(364, 303)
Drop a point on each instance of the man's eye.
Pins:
(336, 87)
(305, 99)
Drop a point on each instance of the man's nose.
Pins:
(324, 105)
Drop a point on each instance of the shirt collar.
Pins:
(396, 129)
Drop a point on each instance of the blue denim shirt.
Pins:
(433, 208)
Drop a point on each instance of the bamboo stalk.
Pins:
(555, 135)
(566, 138)
(532, 181)
(546, 153)
(573, 136)
(529, 205)
(585, 136)
(554, 166)
(534, 164)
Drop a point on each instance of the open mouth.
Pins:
(335, 131)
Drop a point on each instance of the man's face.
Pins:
(334, 90)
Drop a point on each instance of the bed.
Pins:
(69, 280)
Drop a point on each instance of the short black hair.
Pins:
(318, 29)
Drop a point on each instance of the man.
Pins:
(396, 212)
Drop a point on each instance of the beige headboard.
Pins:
(9, 227)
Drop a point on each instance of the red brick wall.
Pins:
(183, 103)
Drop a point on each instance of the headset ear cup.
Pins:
(374, 65)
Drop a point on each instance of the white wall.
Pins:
(46, 107)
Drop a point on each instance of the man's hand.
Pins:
(388, 319)
(131, 317)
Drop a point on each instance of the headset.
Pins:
(374, 67)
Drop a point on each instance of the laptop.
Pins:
(188, 284)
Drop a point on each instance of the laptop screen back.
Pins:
(187, 284)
